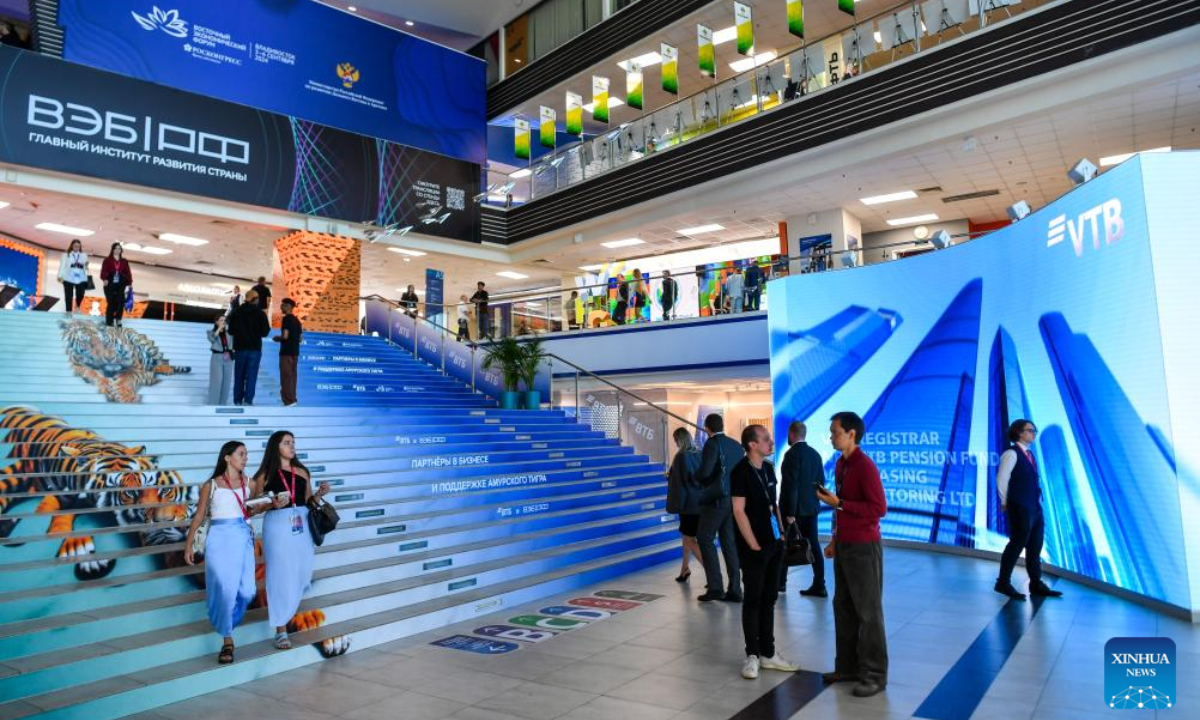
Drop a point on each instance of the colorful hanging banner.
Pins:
(599, 99)
(744, 19)
(846, 6)
(546, 131)
(707, 54)
(670, 68)
(521, 139)
(795, 15)
(633, 85)
(574, 114)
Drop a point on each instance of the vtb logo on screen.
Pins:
(1139, 673)
(1106, 217)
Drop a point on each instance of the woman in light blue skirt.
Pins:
(229, 547)
(287, 544)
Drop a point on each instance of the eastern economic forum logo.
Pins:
(1139, 673)
(168, 21)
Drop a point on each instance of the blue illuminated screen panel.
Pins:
(1054, 319)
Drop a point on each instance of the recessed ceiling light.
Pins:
(351, 8)
(406, 251)
(3, 204)
(182, 239)
(1118, 159)
(409, 23)
(612, 103)
(701, 229)
(511, 275)
(914, 220)
(725, 35)
(64, 229)
(590, 268)
(752, 62)
(890, 197)
(517, 60)
(523, 172)
(650, 58)
(623, 243)
(148, 249)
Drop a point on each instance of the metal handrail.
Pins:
(618, 388)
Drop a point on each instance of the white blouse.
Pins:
(225, 503)
(67, 272)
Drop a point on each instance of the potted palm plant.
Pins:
(507, 356)
(532, 356)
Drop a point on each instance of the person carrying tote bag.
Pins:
(288, 547)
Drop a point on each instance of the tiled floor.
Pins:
(676, 659)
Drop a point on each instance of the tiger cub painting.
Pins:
(118, 361)
(76, 469)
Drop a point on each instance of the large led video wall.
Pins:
(1058, 319)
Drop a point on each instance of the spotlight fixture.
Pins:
(1083, 171)
(506, 188)
(523, 172)
(1018, 211)
(941, 240)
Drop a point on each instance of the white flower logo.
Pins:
(168, 21)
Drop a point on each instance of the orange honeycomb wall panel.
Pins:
(322, 273)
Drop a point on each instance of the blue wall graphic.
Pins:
(1058, 315)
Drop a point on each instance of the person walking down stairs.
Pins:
(248, 325)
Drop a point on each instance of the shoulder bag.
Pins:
(201, 535)
(322, 519)
(797, 551)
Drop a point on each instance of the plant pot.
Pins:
(510, 400)
(531, 400)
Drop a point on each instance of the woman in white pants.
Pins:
(220, 367)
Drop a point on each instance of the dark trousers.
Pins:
(753, 297)
(759, 592)
(858, 611)
(485, 325)
(114, 300)
(807, 525)
(1026, 531)
(714, 522)
(620, 312)
(245, 375)
(287, 378)
(668, 308)
(73, 291)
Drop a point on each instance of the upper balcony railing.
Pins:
(866, 47)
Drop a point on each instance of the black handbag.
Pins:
(322, 520)
(798, 551)
(91, 283)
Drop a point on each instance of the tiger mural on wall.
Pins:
(118, 361)
(80, 470)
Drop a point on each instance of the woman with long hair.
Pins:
(683, 496)
(220, 366)
(73, 274)
(116, 276)
(229, 545)
(287, 545)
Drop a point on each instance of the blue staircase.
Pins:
(451, 509)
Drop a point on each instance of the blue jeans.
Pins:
(245, 375)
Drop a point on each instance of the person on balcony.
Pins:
(754, 284)
(735, 289)
(409, 301)
(480, 300)
(641, 296)
(670, 293)
(571, 310)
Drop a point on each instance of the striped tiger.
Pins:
(117, 360)
(76, 469)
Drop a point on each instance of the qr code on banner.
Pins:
(456, 199)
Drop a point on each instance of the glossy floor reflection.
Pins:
(676, 659)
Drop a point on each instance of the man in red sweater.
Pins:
(857, 561)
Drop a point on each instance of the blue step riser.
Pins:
(343, 414)
(358, 401)
(192, 608)
(133, 661)
(148, 698)
(335, 554)
(314, 440)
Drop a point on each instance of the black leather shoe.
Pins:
(814, 591)
(1044, 590)
(710, 596)
(830, 678)
(1009, 590)
(867, 688)
(731, 598)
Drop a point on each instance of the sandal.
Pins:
(282, 642)
(225, 657)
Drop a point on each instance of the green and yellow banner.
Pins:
(546, 131)
(670, 68)
(795, 14)
(744, 19)
(574, 114)
(846, 6)
(707, 54)
(599, 99)
(633, 85)
(521, 139)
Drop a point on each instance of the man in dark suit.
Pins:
(1020, 489)
(803, 472)
(721, 453)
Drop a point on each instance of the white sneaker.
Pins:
(778, 662)
(750, 668)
